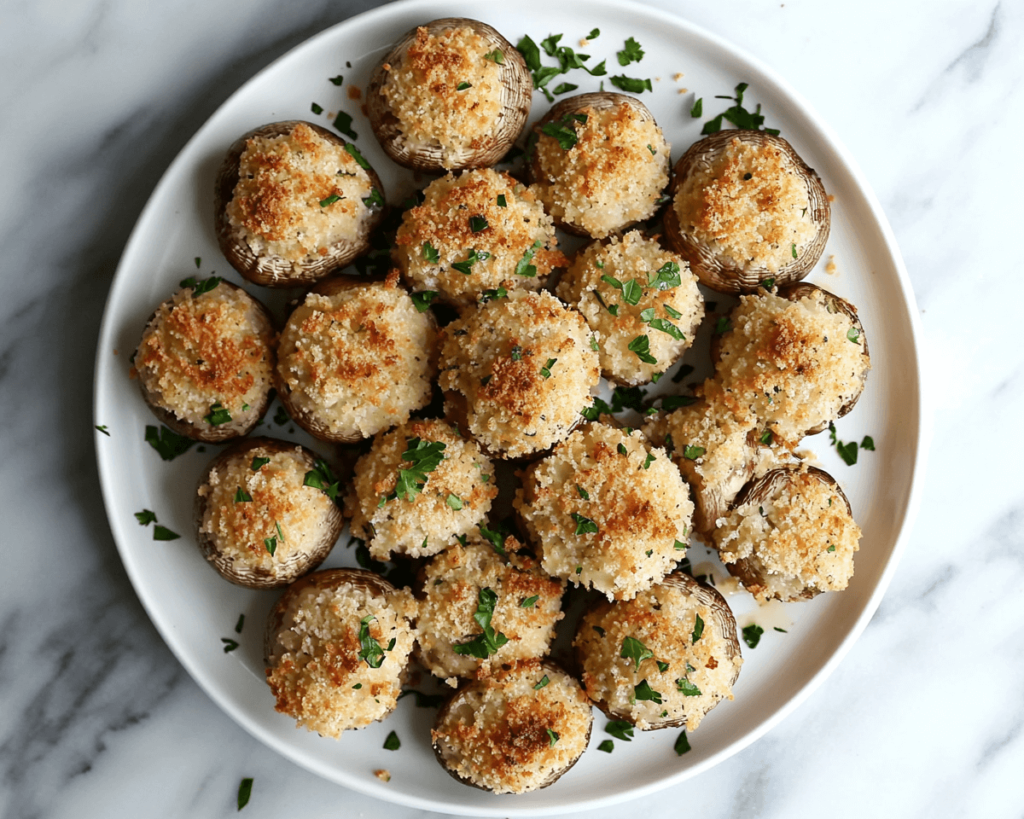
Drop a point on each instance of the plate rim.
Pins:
(922, 421)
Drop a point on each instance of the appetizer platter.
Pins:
(550, 408)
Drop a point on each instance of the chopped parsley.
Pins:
(766, 437)
(672, 311)
(240, 624)
(502, 201)
(321, 477)
(853, 334)
(633, 649)
(648, 461)
(641, 345)
(868, 443)
(200, 286)
(564, 130)
(687, 688)
(258, 463)
(218, 415)
(374, 200)
(430, 253)
(490, 295)
(738, 116)
(621, 448)
(620, 729)
(698, 108)
(682, 744)
(631, 84)
(667, 327)
(337, 80)
(473, 257)
(145, 517)
(454, 502)
(353, 151)
(593, 344)
(543, 681)
(680, 546)
(552, 736)
(244, 792)
(752, 635)
(564, 88)
(343, 123)
(768, 284)
(643, 691)
(462, 86)
(229, 644)
(199, 262)
(546, 369)
(316, 109)
(163, 533)
(241, 496)
(496, 56)
(270, 544)
(424, 457)
(529, 602)
(523, 266)
(488, 642)
(793, 249)
(496, 537)
(584, 526)
(692, 453)
(421, 301)
(103, 428)
(848, 451)
(781, 629)
(392, 743)
(684, 371)
(698, 629)
(607, 746)
(723, 325)
(632, 53)
(477, 224)
(369, 648)
(583, 493)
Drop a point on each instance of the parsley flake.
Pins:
(392, 743)
(321, 477)
(145, 517)
(343, 123)
(488, 642)
(462, 86)
(633, 649)
(424, 457)
(430, 253)
(163, 533)
(607, 746)
(241, 496)
(687, 688)
(543, 681)
(738, 116)
(369, 648)
(316, 109)
(682, 744)
(584, 526)
(473, 257)
(103, 428)
(502, 201)
(698, 108)
(353, 151)
(620, 729)
(496, 56)
(454, 502)
(631, 84)
(218, 415)
(258, 463)
(421, 301)
(244, 792)
(752, 635)
(583, 493)
(632, 53)
(649, 460)
(853, 334)
(337, 80)
(698, 629)
(641, 345)
(229, 644)
(643, 691)
(477, 224)
(374, 200)
(546, 369)
(529, 602)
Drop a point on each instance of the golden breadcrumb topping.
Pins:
(608, 512)
(793, 364)
(298, 194)
(444, 91)
(316, 672)
(202, 350)
(651, 291)
(801, 538)
(613, 175)
(248, 509)
(525, 367)
(488, 224)
(528, 606)
(360, 360)
(454, 500)
(749, 204)
(689, 676)
(510, 734)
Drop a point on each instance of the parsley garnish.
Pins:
(848, 452)
(473, 257)
(643, 691)
(633, 649)
(766, 437)
(244, 792)
(517, 353)
(853, 334)
(564, 88)
(502, 201)
(337, 80)
(495, 536)
(430, 253)
(529, 602)
(199, 262)
(687, 688)
(564, 130)
(632, 53)
(374, 199)
(679, 546)
(738, 116)
(583, 493)
(258, 463)
(103, 428)
(641, 345)
(369, 648)
(200, 286)
(229, 644)
(622, 449)
(546, 369)
(321, 477)
(698, 108)
(523, 266)
(424, 457)
(392, 743)
(477, 224)
(584, 526)
(454, 502)
(270, 544)
(343, 123)
(543, 681)
(649, 460)
(631, 84)
(682, 744)
(240, 624)
(218, 415)
(768, 284)
(488, 642)
(421, 301)
(672, 311)
(462, 86)
(353, 151)
(316, 109)
(723, 325)
(496, 56)
(752, 635)
(145, 517)
(241, 496)
(793, 248)
(698, 629)
(620, 729)
(667, 327)
(607, 746)
(163, 533)
(868, 443)
(490, 295)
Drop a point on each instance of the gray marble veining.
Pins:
(923, 718)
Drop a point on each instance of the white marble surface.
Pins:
(925, 715)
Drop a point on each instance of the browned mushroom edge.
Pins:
(307, 420)
(516, 99)
(442, 713)
(758, 491)
(725, 275)
(208, 433)
(598, 101)
(274, 271)
(285, 572)
(723, 619)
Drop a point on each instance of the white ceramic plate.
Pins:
(194, 608)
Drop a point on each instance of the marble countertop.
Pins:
(98, 719)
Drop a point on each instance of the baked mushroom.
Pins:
(206, 359)
(258, 520)
(294, 202)
(663, 659)
(451, 94)
(336, 649)
(746, 211)
(420, 488)
(518, 602)
(790, 535)
(516, 730)
(795, 361)
(517, 371)
(640, 300)
(356, 357)
(476, 232)
(606, 511)
(599, 163)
